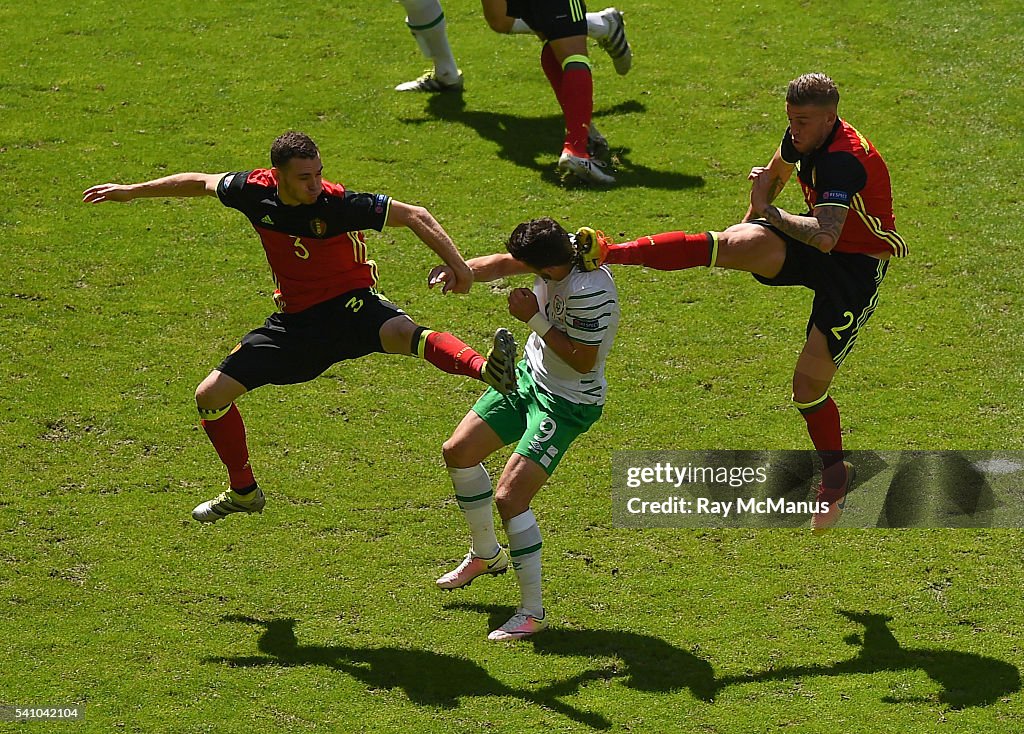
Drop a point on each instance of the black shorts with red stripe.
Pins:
(296, 347)
(845, 289)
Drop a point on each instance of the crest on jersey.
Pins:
(319, 227)
(558, 307)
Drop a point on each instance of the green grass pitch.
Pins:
(320, 615)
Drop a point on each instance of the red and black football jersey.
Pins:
(316, 251)
(848, 171)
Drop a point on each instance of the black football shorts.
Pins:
(296, 347)
(845, 286)
(553, 19)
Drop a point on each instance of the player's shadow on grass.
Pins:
(532, 142)
(427, 678)
(642, 662)
(966, 679)
(651, 664)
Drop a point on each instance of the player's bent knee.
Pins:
(205, 392)
(463, 450)
(396, 335)
(751, 247)
(514, 492)
(454, 453)
(508, 503)
(807, 389)
(218, 390)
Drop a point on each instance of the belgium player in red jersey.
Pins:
(840, 249)
(311, 230)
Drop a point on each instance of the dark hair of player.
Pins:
(813, 89)
(540, 243)
(292, 145)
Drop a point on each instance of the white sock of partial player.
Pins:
(474, 494)
(524, 545)
(597, 26)
(426, 20)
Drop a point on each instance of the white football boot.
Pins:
(228, 502)
(472, 567)
(520, 625)
(429, 82)
(588, 170)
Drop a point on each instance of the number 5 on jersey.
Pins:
(301, 251)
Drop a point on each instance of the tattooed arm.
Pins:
(776, 174)
(820, 230)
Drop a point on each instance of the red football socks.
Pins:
(227, 434)
(823, 427)
(449, 354)
(577, 107)
(665, 251)
(574, 90)
(552, 70)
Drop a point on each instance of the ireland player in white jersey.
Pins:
(573, 316)
(586, 310)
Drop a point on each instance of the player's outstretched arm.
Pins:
(429, 230)
(499, 265)
(180, 184)
(485, 269)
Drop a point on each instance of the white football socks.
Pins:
(524, 544)
(475, 497)
(426, 20)
(597, 26)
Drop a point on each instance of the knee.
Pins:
(396, 335)
(504, 500)
(733, 244)
(752, 248)
(806, 389)
(205, 394)
(455, 454)
(509, 502)
(740, 236)
(217, 391)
